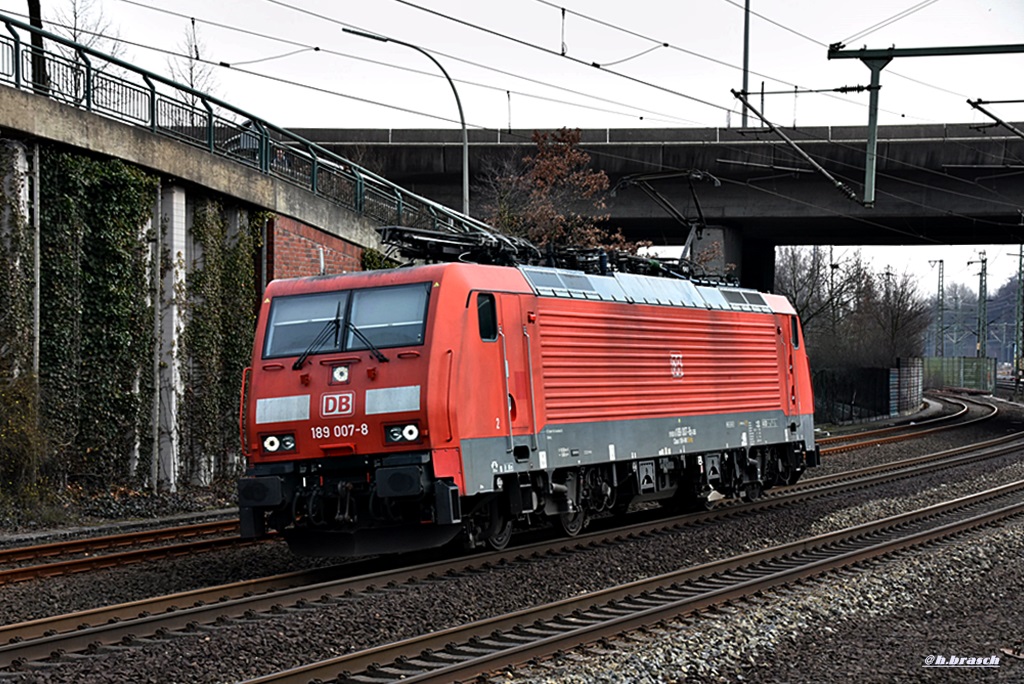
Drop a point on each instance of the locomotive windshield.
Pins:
(386, 317)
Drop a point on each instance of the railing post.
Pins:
(152, 102)
(360, 198)
(211, 138)
(88, 80)
(264, 148)
(314, 170)
(17, 55)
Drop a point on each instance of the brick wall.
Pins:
(293, 250)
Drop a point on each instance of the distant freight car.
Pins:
(394, 410)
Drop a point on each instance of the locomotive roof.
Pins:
(566, 283)
(642, 289)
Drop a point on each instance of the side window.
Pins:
(487, 316)
(794, 332)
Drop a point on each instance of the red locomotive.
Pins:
(393, 410)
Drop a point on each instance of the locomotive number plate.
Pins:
(344, 430)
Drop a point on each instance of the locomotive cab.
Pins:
(351, 410)
(335, 431)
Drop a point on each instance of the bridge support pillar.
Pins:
(758, 259)
(171, 215)
(720, 252)
(21, 272)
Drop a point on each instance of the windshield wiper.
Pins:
(332, 327)
(377, 354)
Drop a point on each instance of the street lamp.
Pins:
(462, 118)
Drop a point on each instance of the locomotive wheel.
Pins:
(751, 493)
(692, 504)
(572, 523)
(500, 538)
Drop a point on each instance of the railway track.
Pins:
(486, 646)
(93, 553)
(38, 639)
(898, 433)
(83, 555)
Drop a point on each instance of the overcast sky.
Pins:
(529, 64)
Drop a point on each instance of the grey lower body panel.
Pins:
(579, 444)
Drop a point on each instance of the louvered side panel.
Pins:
(620, 362)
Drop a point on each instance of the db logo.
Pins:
(675, 360)
(340, 404)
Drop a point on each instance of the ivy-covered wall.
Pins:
(87, 419)
(219, 307)
(22, 446)
(96, 340)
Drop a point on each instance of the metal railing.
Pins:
(82, 77)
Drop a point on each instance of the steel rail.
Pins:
(896, 428)
(1002, 445)
(39, 638)
(484, 646)
(912, 435)
(88, 563)
(113, 541)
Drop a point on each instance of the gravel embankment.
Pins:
(877, 625)
(785, 639)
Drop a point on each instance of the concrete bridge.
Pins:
(943, 183)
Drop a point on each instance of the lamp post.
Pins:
(458, 102)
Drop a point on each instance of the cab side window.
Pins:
(794, 332)
(487, 316)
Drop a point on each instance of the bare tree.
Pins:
(84, 22)
(502, 193)
(852, 316)
(824, 291)
(552, 197)
(193, 72)
(900, 317)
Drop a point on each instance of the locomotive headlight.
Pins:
(275, 443)
(339, 375)
(405, 432)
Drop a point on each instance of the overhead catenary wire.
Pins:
(541, 48)
(765, 18)
(642, 112)
(334, 93)
(887, 22)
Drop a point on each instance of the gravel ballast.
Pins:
(879, 610)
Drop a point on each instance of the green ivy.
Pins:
(374, 260)
(90, 407)
(220, 301)
(96, 341)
